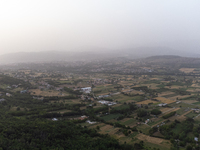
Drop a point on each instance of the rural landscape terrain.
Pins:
(151, 103)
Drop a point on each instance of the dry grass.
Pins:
(170, 110)
(176, 87)
(195, 85)
(46, 93)
(165, 100)
(146, 102)
(180, 96)
(147, 138)
(164, 109)
(165, 93)
(187, 70)
(108, 129)
(151, 86)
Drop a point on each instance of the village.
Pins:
(130, 107)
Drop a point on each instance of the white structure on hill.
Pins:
(86, 89)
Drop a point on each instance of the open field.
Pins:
(187, 70)
(191, 114)
(189, 101)
(163, 94)
(169, 111)
(111, 116)
(128, 122)
(124, 98)
(165, 100)
(180, 97)
(153, 140)
(165, 109)
(146, 102)
(46, 93)
(144, 128)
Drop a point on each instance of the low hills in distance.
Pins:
(93, 54)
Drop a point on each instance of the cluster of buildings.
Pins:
(107, 103)
(86, 90)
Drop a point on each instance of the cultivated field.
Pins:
(187, 70)
(164, 100)
(46, 92)
(146, 102)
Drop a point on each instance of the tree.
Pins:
(189, 147)
(156, 112)
(141, 113)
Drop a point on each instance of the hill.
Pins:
(92, 54)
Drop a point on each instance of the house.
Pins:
(8, 94)
(24, 91)
(86, 89)
(103, 96)
(196, 139)
(2, 99)
(55, 119)
(90, 122)
(163, 104)
(147, 121)
(39, 98)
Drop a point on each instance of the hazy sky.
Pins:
(40, 25)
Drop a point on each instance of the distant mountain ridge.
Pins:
(100, 54)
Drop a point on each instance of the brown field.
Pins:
(146, 102)
(195, 85)
(180, 118)
(150, 139)
(164, 109)
(180, 96)
(165, 93)
(165, 100)
(151, 86)
(170, 110)
(126, 83)
(155, 78)
(158, 134)
(187, 70)
(175, 87)
(136, 92)
(193, 90)
(46, 93)
(108, 129)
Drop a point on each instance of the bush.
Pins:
(141, 113)
(169, 115)
(156, 112)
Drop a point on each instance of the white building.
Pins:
(163, 104)
(55, 119)
(86, 89)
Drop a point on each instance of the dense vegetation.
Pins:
(44, 134)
